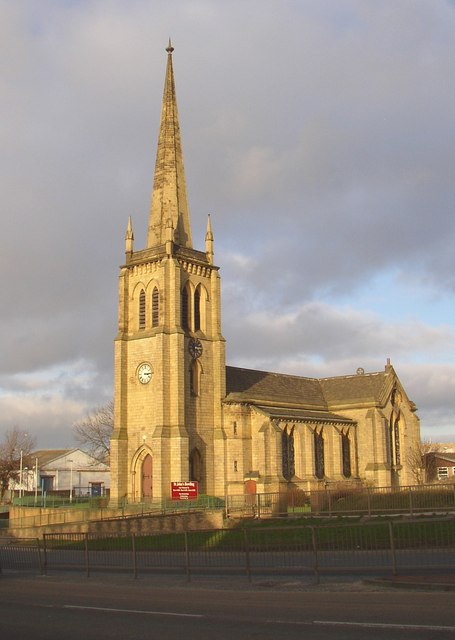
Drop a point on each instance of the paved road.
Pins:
(116, 607)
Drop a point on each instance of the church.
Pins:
(182, 415)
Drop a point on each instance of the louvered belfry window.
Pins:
(155, 307)
(197, 309)
(185, 323)
(142, 310)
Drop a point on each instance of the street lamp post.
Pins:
(20, 476)
(36, 480)
(71, 480)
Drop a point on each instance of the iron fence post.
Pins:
(368, 501)
(247, 554)
(411, 508)
(187, 557)
(45, 554)
(39, 557)
(392, 548)
(133, 548)
(315, 554)
(86, 556)
(258, 511)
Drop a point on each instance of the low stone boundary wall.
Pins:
(118, 523)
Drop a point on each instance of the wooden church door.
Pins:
(147, 477)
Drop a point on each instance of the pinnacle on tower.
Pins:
(169, 197)
(129, 237)
(209, 241)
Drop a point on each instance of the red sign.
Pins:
(184, 490)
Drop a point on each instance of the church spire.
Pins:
(169, 199)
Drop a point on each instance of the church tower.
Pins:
(169, 351)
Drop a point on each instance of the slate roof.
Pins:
(448, 457)
(257, 387)
(252, 385)
(366, 387)
(47, 455)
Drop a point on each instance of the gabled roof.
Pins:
(278, 391)
(440, 455)
(359, 388)
(48, 455)
(256, 386)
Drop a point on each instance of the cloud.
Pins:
(319, 136)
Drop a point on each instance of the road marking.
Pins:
(382, 625)
(151, 613)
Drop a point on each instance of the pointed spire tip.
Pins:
(169, 47)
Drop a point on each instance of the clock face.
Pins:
(144, 372)
(195, 348)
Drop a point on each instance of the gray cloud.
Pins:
(319, 136)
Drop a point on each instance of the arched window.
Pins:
(195, 378)
(319, 468)
(394, 439)
(195, 466)
(288, 454)
(155, 307)
(197, 309)
(346, 454)
(185, 309)
(142, 309)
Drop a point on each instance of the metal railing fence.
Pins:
(374, 547)
(336, 500)
(332, 501)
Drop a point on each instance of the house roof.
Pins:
(48, 455)
(448, 457)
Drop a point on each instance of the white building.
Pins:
(62, 470)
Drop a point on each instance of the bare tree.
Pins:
(421, 459)
(15, 445)
(94, 432)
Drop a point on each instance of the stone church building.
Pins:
(181, 414)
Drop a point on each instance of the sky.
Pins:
(320, 137)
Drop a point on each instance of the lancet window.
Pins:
(195, 465)
(195, 378)
(346, 454)
(197, 309)
(155, 307)
(185, 309)
(288, 452)
(319, 467)
(142, 307)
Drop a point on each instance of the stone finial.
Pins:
(129, 237)
(209, 241)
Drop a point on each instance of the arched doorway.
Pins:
(147, 478)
